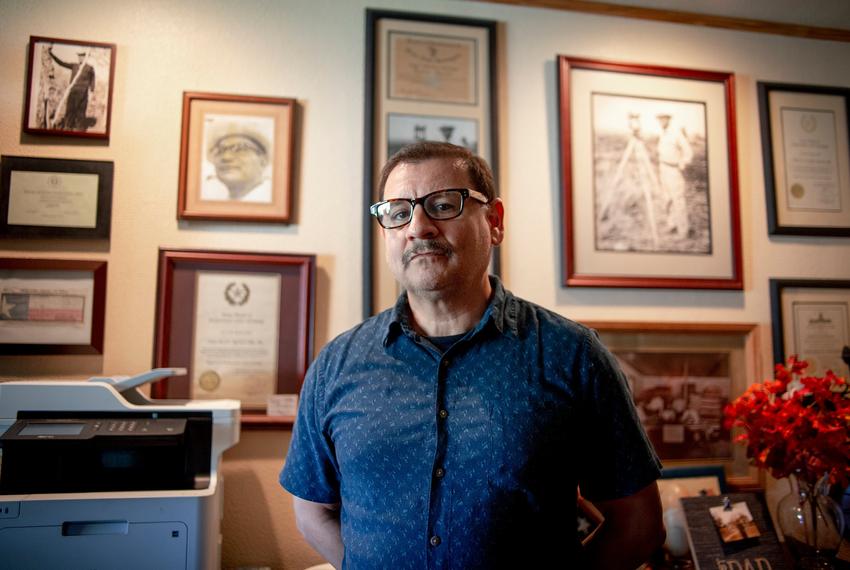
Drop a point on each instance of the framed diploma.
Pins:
(236, 155)
(811, 318)
(649, 176)
(241, 323)
(806, 152)
(427, 78)
(52, 306)
(46, 198)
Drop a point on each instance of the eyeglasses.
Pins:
(440, 205)
(235, 148)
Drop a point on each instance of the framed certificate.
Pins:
(811, 319)
(47, 197)
(241, 323)
(649, 176)
(428, 77)
(52, 306)
(806, 153)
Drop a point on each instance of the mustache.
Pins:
(426, 246)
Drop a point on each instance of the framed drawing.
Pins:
(52, 306)
(236, 155)
(806, 150)
(427, 78)
(649, 176)
(69, 88)
(47, 197)
(682, 375)
(241, 323)
(811, 318)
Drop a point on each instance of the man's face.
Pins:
(428, 256)
(239, 162)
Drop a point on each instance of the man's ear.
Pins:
(496, 219)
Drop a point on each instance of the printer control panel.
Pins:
(93, 427)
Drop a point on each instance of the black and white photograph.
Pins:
(406, 129)
(650, 175)
(237, 163)
(70, 88)
(680, 399)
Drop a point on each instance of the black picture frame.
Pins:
(780, 218)
(104, 170)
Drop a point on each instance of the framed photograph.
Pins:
(236, 156)
(241, 323)
(428, 77)
(649, 176)
(69, 88)
(811, 318)
(682, 375)
(806, 150)
(52, 306)
(47, 197)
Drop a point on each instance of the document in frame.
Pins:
(821, 329)
(235, 347)
(53, 199)
(811, 159)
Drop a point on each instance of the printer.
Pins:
(95, 475)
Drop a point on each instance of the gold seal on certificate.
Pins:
(798, 191)
(209, 380)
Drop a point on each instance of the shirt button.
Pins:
(443, 414)
(435, 540)
(439, 472)
(446, 363)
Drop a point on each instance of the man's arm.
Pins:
(632, 531)
(319, 523)
(57, 60)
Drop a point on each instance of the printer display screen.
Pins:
(64, 428)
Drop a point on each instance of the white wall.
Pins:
(313, 50)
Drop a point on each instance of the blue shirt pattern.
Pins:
(469, 458)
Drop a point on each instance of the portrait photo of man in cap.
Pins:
(237, 160)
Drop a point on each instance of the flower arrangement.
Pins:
(796, 424)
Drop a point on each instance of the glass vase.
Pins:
(811, 523)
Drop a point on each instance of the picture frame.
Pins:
(69, 88)
(55, 198)
(810, 318)
(428, 77)
(236, 158)
(805, 137)
(241, 323)
(52, 306)
(682, 375)
(643, 206)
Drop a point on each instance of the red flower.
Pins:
(796, 424)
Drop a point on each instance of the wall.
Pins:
(313, 51)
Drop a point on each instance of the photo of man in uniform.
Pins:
(238, 154)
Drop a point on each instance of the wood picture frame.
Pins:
(805, 138)
(236, 158)
(428, 77)
(55, 198)
(52, 306)
(810, 318)
(69, 88)
(682, 375)
(643, 206)
(241, 323)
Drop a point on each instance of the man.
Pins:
(674, 154)
(239, 152)
(452, 430)
(81, 83)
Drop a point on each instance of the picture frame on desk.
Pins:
(810, 318)
(52, 306)
(428, 77)
(241, 323)
(805, 137)
(681, 376)
(69, 88)
(649, 176)
(55, 198)
(236, 158)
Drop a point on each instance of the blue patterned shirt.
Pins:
(469, 458)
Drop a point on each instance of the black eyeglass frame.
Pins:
(464, 194)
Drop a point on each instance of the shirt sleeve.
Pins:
(617, 457)
(310, 470)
